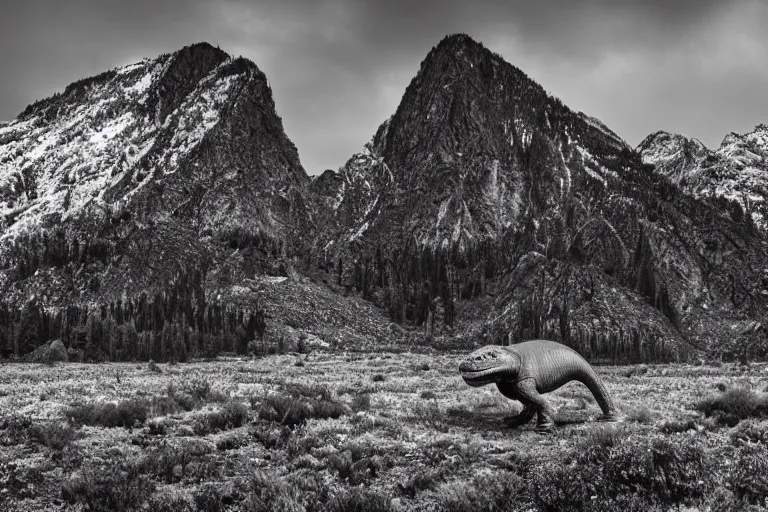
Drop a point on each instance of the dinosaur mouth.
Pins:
(480, 377)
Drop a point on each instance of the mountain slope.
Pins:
(172, 175)
(481, 183)
(737, 171)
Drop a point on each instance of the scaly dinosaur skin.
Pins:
(526, 370)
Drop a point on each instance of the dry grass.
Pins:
(267, 434)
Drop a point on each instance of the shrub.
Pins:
(19, 481)
(267, 492)
(605, 437)
(428, 395)
(231, 442)
(359, 462)
(313, 391)
(734, 404)
(359, 500)
(169, 462)
(749, 432)
(643, 473)
(202, 391)
(215, 498)
(170, 503)
(231, 415)
(295, 408)
(748, 478)
(378, 378)
(152, 366)
(678, 426)
(501, 490)
(634, 371)
(53, 435)
(270, 436)
(124, 414)
(57, 352)
(14, 429)
(641, 415)
(157, 428)
(108, 488)
(423, 480)
(361, 402)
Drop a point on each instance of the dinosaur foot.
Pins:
(612, 417)
(516, 421)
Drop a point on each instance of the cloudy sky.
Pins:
(338, 68)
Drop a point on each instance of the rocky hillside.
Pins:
(170, 173)
(737, 171)
(483, 185)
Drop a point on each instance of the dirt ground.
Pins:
(403, 426)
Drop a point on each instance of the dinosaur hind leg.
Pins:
(526, 389)
(521, 419)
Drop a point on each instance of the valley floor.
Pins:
(371, 432)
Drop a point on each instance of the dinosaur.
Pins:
(526, 370)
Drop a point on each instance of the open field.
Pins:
(372, 432)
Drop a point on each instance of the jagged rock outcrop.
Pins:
(482, 183)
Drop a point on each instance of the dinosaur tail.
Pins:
(590, 379)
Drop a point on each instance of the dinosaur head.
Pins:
(489, 364)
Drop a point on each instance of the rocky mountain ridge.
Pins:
(737, 170)
(161, 209)
(158, 162)
(483, 184)
(155, 187)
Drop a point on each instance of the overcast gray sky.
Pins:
(338, 68)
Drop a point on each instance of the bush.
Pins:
(267, 493)
(53, 435)
(202, 391)
(231, 415)
(361, 402)
(124, 414)
(641, 415)
(231, 442)
(14, 429)
(636, 473)
(157, 428)
(57, 352)
(423, 480)
(359, 462)
(734, 405)
(270, 436)
(108, 488)
(501, 490)
(749, 432)
(152, 366)
(428, 395)
(170, 503)
(215, 498)
(748, 478)
(359, 500)
(378, 378)
(678, 426)
(295, 407)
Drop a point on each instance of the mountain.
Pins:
(737, 171)
(483, 186)
(169, 176)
